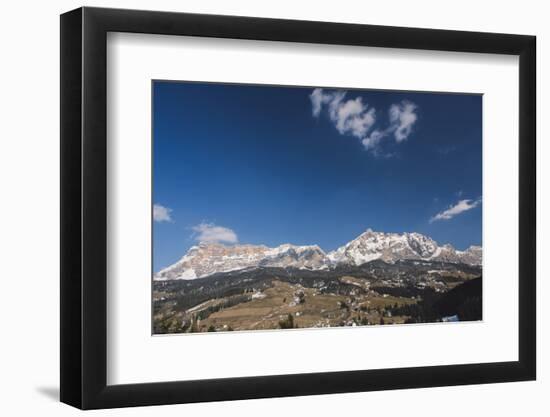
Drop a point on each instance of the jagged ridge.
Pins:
(207, 259)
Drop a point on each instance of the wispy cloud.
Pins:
(402, 118)
(454, 210)
(161, 213)
(210, 233)
(353, 117)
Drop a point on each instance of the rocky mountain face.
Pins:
(391, 247)
(207, 259)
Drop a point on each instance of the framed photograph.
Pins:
(258, 208)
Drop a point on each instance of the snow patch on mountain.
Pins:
(210, 258)
(391, 247)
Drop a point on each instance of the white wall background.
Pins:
(29, 226)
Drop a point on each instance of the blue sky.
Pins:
(271, 165)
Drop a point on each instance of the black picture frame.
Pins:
(84, 207)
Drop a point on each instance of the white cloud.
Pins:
(351, 117)
(373, 140)
(355, 118)
(402, 119)
(454, 210)
(317, 98)
(161, 213)
(210, 233)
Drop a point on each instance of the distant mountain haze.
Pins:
(211, 258)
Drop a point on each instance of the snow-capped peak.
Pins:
(391, 247)
(210, 258)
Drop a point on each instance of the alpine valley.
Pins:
(377, 278)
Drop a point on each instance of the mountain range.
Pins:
(211, 258)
